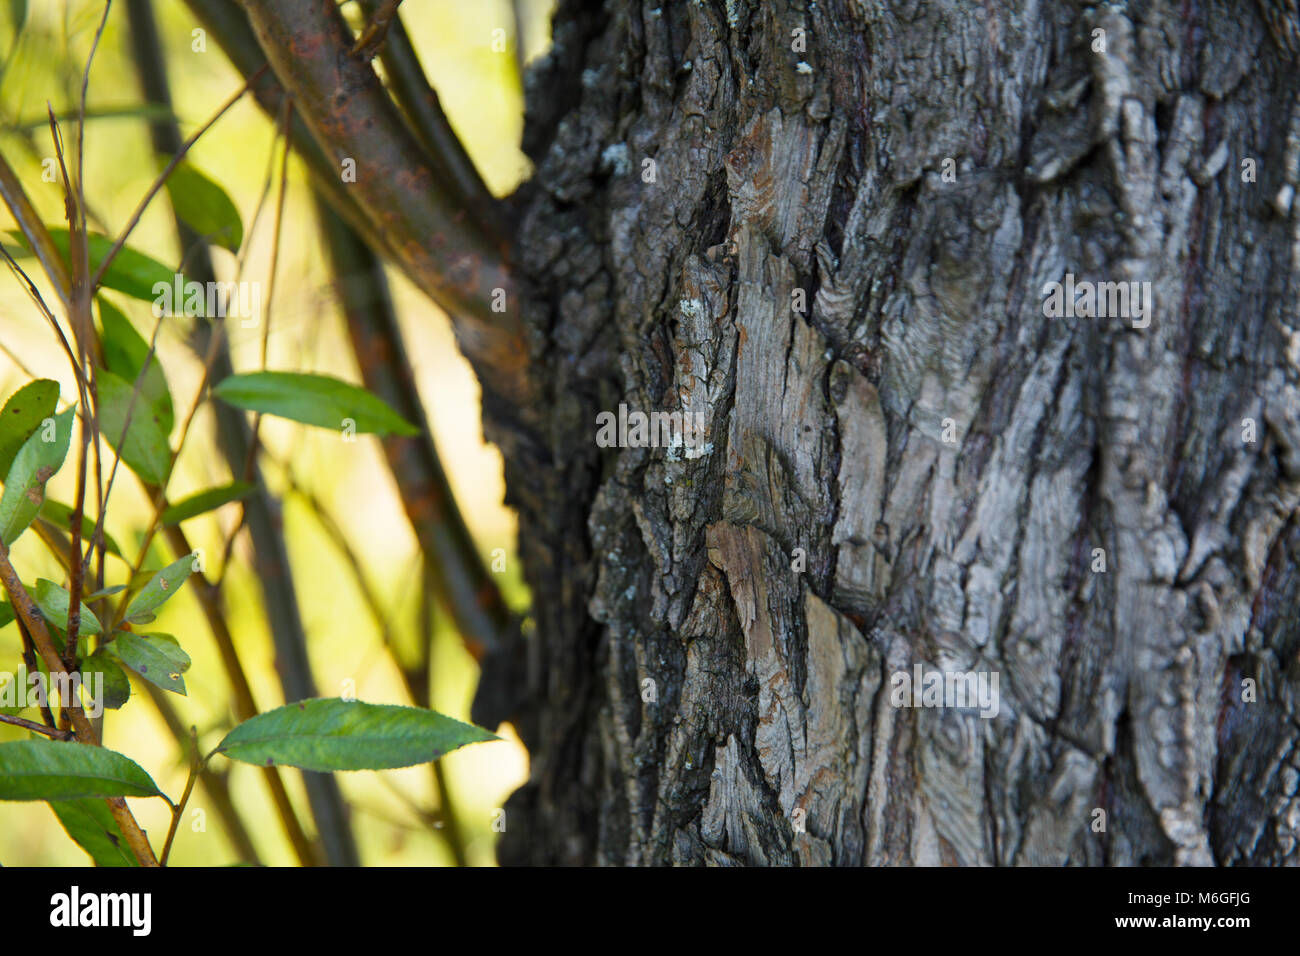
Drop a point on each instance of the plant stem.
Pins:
(216, 784)
(242, 695)
(35, 727)
(451, 259)
(26, 609)
(179, 808)
(270, 558)
(162, 178)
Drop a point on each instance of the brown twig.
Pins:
(33, 229)
(372, 37)
(30, 614)
(162, 179)
(196, 763)
(35, 727)
(270, 562)
(434, 237)
(453, 169)
(463, 585)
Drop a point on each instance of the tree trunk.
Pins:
(840, 257)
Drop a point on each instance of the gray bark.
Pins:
(946, 456)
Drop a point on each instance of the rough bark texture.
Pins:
(945, 455)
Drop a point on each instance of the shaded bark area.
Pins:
(919, 467)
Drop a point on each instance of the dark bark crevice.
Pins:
(917, 470)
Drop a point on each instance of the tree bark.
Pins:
(919, 467)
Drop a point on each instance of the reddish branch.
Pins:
(351, 117)
(463, 585)
(418, 99)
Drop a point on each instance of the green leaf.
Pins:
(205, 501)
(60, 515)
(117, 686)
(131, 273)
(6, 613)
(55, 603)
(34, 465)
(159, 590)
(50, 770)
(313, 400)
(14, 698)
(329, 734)
(91, 826)
(146, 450)
(155, 657)
(106, 592)
(22, 415)
(125, 354)
(205, 207)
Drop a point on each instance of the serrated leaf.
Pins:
(91, 826)
(125, 354)
(205, 501)
(34, 465)
(116, 687)
(159, 590)
(55, 603)
(22, 415)
(60, 515)
(205, 207)
(146, 450)
(154, 657)
(50, 770)
(328, 734)
(313, 400)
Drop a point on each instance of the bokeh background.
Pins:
(44, 46)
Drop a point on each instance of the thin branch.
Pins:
(286, 132)
(35, 727)
(162, 179)
(242, 701)
(225, 22)
(30, 614)
(138, 385)
(453, 261)
(452, 166)
(464, 586)
(215, 784)
(29, 660)
(81, 114)
(372, 37)
(35, 295)
(33, 229)
(254, 443)
(179, 808)
(158, 493)
(270, 558)
(79, 315)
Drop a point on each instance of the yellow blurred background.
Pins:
(480, 91)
